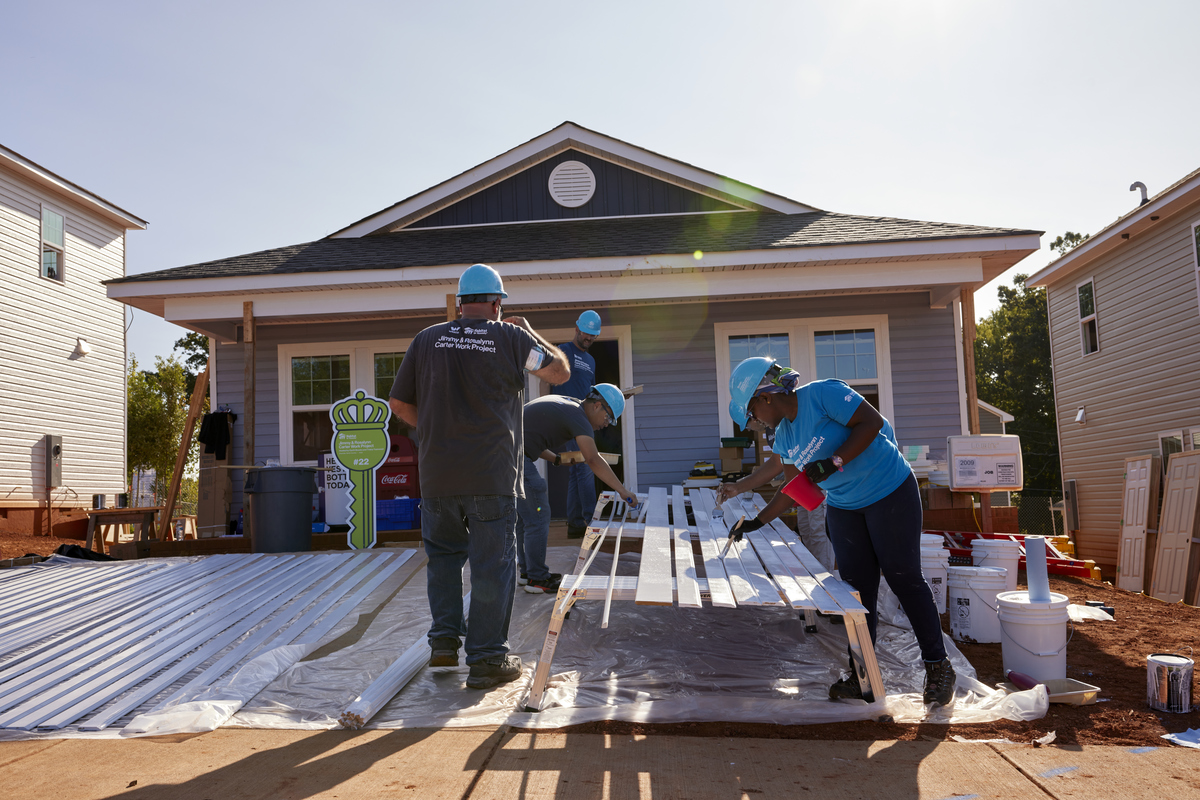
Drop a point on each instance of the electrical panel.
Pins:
(53, 461)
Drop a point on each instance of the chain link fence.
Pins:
(1036, 515)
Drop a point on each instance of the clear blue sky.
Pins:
(233, 127)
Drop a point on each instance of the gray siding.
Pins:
(525, 196)
(1142, 381)
(674, 357)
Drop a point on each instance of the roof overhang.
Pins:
(1171, 201)
(942, 268)
(92, 202)
(564, 137)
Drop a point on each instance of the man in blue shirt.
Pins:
(581, 483)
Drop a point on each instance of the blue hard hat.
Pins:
(612, 396)
(589, 323)
(742, 385)
(480, 279)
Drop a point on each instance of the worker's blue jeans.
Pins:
(533, 525)
(886, 537)
(581, 492)
(478, 529)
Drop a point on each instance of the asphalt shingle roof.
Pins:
(562, 240)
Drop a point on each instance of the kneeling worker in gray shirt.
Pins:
(551, 422)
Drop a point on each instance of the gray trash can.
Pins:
(280, 504)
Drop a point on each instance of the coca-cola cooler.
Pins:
(397, 476)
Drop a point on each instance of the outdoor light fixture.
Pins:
(82, 348)
(1081, 416)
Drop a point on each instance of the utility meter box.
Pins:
(53, 461)
(989, 462)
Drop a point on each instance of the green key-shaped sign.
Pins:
(360, 445)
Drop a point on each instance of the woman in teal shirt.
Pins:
(874, 510)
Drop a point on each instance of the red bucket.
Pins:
(804, 492)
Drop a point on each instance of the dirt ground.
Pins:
(1111, 655)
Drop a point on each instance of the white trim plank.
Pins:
(719, 591)
(654, 573)
(687, 589)
(129, 627)
(110, 676)
(101, 584)
(750, 588)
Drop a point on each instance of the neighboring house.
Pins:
(62, 341)
(1124, 311)
(690, 271)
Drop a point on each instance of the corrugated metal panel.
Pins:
(43, 388)
(526, 196)
(1142, 381)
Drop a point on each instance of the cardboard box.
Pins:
(731, 465)
(732, 452)
(215, 494)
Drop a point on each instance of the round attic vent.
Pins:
(572, 183)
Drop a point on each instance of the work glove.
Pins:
(818, 471)
(745, 526)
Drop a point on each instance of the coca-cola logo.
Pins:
(393, 480)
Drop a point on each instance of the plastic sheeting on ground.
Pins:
(653, 664)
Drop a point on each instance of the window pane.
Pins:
(301, 370)
(1091, 342)
(302, 394)
(386, 365)
(52, 227)
(50, 265)
(340, 366)
(321, 393)
(340, 388)
(320, 368)
(1087, 302)
(846, 355)
(312, 434)
(771, 345)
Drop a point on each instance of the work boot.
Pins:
(576, 531)
(939, 682)
(493, 672)
(444, 652)
(544, 586)
(846, 688)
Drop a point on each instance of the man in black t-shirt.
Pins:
(550, 423)
(460, 385)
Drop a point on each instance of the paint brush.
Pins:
(732, 530)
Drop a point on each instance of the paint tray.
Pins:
(1067, 691)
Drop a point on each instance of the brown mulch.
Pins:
(1111, 655)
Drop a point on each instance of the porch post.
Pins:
(968, 334)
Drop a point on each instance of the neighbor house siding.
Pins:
(44, 388)
(1143, 380)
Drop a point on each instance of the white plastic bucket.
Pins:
(971, 603)
(933, 567)
(1033, 636)
(932, 540)
(1000, 554)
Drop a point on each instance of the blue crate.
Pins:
(402, 514)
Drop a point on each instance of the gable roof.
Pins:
(93, 202)
(1174, 198)
(595, 238)
(568, 136)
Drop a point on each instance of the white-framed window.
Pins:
(312, 377)
(53, 244)
(1196, 255)
(1169, 442)
(1089, 334)
(853, 349)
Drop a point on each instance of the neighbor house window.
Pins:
(1196, 255)
(849, 356)
(1087, 317)
(317, 383)
(53, 247)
